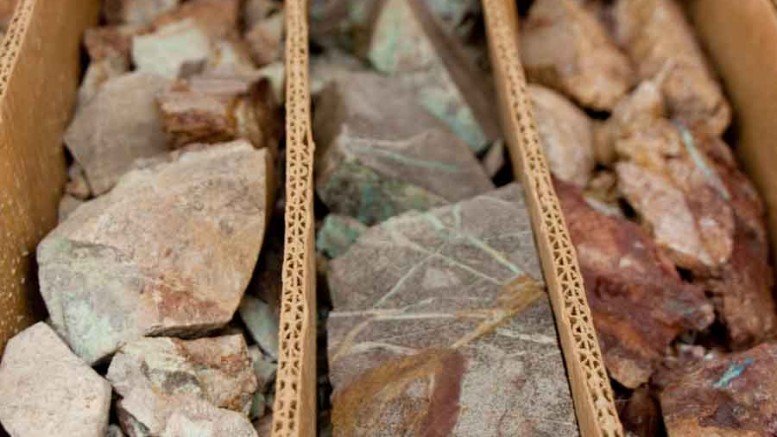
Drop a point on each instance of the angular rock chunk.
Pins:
(337, 234)
(564, 47)
(77, 185)
(639, 303)
(169, 250)
(407, 42)
(265, 39)
(382, 154)
(137, 12)
(255, 11)
(566, 134)
(114, 42)
(119, 125)
(262, 323)
(46, 390)
(217, 109)
(218, 370)
(660, 42)
(67, 205)
(171, 48)
(732, 395)
(441, 325)
(96, 75)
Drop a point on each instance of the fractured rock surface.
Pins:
(639, 303)
(441, 324)
(407, 42)
(137, 12)
(169, 250)
(119, 125)
(382, 154)
(171, 48)
(45, 390)
(564, 47)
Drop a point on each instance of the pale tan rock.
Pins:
(110, 41)
(566, 135)
(564, 47)
(169, 250)
(77, 185)
(67, 205)
(230, 57)
(265, 39)
(218, 18)
(255, 11)
(96, 75)
(263, 426)
(216, 369)
(659, 41)
(171, 49)
(137, 12)
(120, 124)
(45, 390)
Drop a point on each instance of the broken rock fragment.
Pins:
(407, 42)
(171, 49)
(265, 39)
(114, 42)
(136, 12)
(218, 370)
(382, 154)
(218, 18)
(441, 325)
(730, 395)
(639, 303)
(661, 43)
(262, 323)
(564, 47)
(169, 250)
(46, 390)
(96, 75)
(337, 234)
(566, 134)
(119, 125)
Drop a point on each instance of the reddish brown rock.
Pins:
(119, 125)
(218, 18)
(169, 250)
(441, 325)
(110, 42)
(136, 12)
(265, 39)
(734, 395)
(564, 47)
(660, 42)
(639, 303)
(566, 135)
(640, 414)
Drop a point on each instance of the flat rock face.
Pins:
(441, 324)
(218, 370)
(660, 42)
(382, 154)
(46, 390)
(566, 134)
(564, 47)
(170, 48)
(119, 125)
(169, 250)
(639, 303)
(137, 12)
(732, 395)
(407, 42)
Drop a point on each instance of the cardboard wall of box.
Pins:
(39, 71)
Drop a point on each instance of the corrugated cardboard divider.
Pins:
(294, 412)
(591, 390)
(39, 72)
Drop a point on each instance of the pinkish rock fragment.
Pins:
(441, 325)
(136, 12)
(119, 125)
(218, 18)
(265, 39)
(169, 250)
(46, 390)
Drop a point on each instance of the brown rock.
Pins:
(639, 303)
(660, 42)
(218, 18)
(136, 12)
(441, 325)
(640, 414)
(566, 135)
(380, 153)
(7, 8)
(218, 370)
(77, 185)
(732, 395)
(217, 109)
(265, 39)
(169, 250)
(110, 42)
(45, 390)
(119, 125)
(564, 47)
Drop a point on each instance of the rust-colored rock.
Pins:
(733, 395)
(639, 303)
(660, 42)
(169, 250)
(564, 47)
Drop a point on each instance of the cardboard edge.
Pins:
(589, 383)
(294, 411)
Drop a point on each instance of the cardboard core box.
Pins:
(39, 73)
